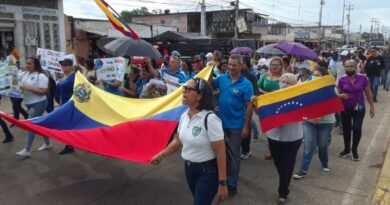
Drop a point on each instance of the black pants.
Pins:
(284, 155)
(6, 131)
(352, 121)
(17, 108)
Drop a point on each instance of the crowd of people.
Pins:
(220, 109)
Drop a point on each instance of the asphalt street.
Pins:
(85, 178)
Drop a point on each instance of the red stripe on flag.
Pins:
(136, 141)
(317, 110)
(120, 28)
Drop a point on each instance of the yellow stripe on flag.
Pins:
(110, 109)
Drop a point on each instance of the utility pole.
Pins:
(372, 27)
(342, 21)
(360, 34)
(349, 8)
(319, 25)
(203, 18)
(236, 20)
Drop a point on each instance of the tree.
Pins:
(127, 15)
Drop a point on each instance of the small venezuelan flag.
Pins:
(308, 100)
(116, 21)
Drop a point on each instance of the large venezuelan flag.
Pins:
(110, 125)
(308, 100)
(116, 21)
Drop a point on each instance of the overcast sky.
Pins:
(295, 12)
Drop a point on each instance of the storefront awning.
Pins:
(97, 27)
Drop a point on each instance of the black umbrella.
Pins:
(126, 46)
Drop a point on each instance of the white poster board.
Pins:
(110, 68)
(50, 59)
(9, 82)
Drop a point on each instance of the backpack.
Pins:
(52, 84)
(229, 151)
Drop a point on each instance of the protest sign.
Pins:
(110, 68)
(9, 82)
(50, 59)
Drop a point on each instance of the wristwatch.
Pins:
(222, 182)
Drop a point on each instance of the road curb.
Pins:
(382, 191)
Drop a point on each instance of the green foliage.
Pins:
(127, 15)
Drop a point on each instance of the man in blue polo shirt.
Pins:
(235, 111)
(173, 74)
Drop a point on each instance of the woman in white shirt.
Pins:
(34, 86)
(284, 142)
(203, 149)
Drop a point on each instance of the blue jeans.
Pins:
(202, 179)
(35, 110)
(315, 135)
(234, 137)
(374, 84)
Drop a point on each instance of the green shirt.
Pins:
(267, 85)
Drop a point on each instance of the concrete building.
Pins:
(82, 35)
(28, 25)
(219, 23)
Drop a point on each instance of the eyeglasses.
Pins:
(187, 88)
(275, 65)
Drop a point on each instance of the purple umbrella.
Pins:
(297, 50)
(242, 51)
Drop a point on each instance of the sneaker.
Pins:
(8, 139)
(282, 201)
(68, 149)
(245, 156)
(300, 175)
(325, 169)
(344, 154)
(23, 153)
(355, 156)
(44, 147)
(232, 191)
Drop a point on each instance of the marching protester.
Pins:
(187, 70)
(16, 101)
(34, 89)
(198, 65)
(172, 74)
(64, 91)
(352, 88)
(91, 72)
(269, 81)
(304, 72)
(245, 143)
(316, 133)
(201, 137)
(235, 111)
(284, 142)
(374, 66)
(130, 87)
